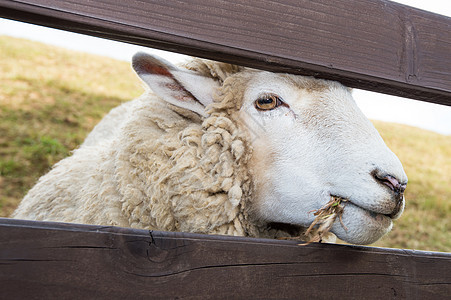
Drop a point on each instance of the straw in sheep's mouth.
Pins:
(325, 218)
(322, 224)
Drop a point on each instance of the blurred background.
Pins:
(56, 85)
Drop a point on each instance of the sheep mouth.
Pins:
(393, 215)
(334, 210)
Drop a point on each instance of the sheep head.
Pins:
(312, 142)
(308, 139)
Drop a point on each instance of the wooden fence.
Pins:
(375, 45)
(54, 260)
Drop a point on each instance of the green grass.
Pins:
(51, 98)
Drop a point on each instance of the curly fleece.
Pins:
(162, 168)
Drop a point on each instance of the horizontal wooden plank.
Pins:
(42, 260)
(375, 45)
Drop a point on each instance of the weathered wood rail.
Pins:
(370, 44)
(52, 260)
(374, 45)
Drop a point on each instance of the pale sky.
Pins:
(374, 105)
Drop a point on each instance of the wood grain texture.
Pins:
(375, 45)
(41, 260)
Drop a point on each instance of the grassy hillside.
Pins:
(51, 98)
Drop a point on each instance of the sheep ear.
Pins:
(179, 87)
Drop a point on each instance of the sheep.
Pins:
(216, 148)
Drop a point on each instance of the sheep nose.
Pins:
(397, 187)
(391, 182)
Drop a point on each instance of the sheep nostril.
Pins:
(391, 182)
(402, 188)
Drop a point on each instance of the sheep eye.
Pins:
(268, 102)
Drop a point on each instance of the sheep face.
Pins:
(310, 142)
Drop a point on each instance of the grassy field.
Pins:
(51, 98)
